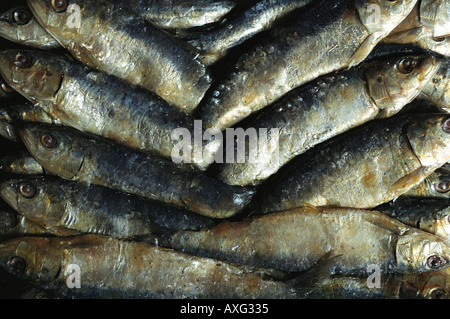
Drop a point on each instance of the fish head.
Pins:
(58, 151)
(35, 198)
(16, 22)
(434, 15)
(418, 251)
(62, 18)
(31, 258)
(36, 75)
(429, 137)
(8, 220)
(382, 16)
(394, 82)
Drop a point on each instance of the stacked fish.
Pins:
(347, 198)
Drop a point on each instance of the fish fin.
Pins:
(408, 181)
(406, 37)
(364, 49)
(303, 282)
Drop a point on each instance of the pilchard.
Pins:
(94, 102)
(78, 157)
(295, 240)
(19, 25)
(328, 107)
(122, 269)
(180, 14)
(68, 208)
(367, 167)
(114, 39)
(332, 35)
(214, 44)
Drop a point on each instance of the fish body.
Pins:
(364, 168)
(296, 240)
(330, 106)
(332, 35)
(114, 39)
(215, 43)
(61, 207)
(78, 157)
(124, 269)
(180, 14)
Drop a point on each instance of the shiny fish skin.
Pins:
(332, 35)
(62, 207)
(82, 158)
(214, 44)
(295, 240)
(20, 164)
(14, 225)
(430, 215)
(428, 285)
(330, 106)
(437, 185)
(115, 40)
(437, 91)
(25, 31)
(367, 167)
(124, 269)
(94, 102)
(180, 14)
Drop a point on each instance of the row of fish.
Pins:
(352, 183)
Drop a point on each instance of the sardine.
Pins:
(114, 39)
(367, 167)
(78, 157)
(295, 240)
(19, 25)
(180, 14)
(20, 164)
(122, 269)
(437, 185)
(437, 91)
(328, 107)
(94, 102)
(214, 44)
(68, 208)
(430, 215)
(332, 35)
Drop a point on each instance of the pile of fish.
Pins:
(117, 179)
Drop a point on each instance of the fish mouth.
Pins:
(7, 192)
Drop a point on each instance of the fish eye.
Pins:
(436, 262)
(17, 265)
(21, 16)
(446, 126)
(407, 65)
(23, 61)
(439, 293)
(59, 5)
(27, 190)
(443, 186)
(48, 140)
